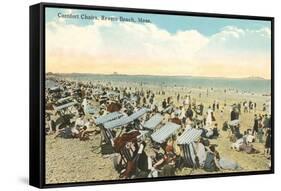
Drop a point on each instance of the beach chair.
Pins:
(189, 135)
(161, 135)
(132, 163)
(65, 108)
(108, 117)
(108, 126)
(106, 135)
(125, 120)
(126, 152)
(120, 161)
(153, 122)
(106, 141)
(186, 142)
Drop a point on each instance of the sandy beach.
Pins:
(72, 160)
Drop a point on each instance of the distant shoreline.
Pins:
(172, 76)
(243, 85)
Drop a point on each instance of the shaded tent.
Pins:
(153, 121)
(108, 117)
(125, 120)
(164, 132)
(186, 142)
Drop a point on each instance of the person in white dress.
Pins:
(209, 117)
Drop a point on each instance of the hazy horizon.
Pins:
(122, 74)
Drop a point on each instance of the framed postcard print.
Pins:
(122, 95)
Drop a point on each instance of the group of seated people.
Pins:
(164, 159)
(67, 127)
(245, 143)
(240, 142)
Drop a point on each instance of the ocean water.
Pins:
(260, 86)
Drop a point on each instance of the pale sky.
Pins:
(169, 45)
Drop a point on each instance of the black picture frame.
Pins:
(37, 92)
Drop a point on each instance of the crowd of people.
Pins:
(72, 109)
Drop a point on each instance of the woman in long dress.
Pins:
(209, 117)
